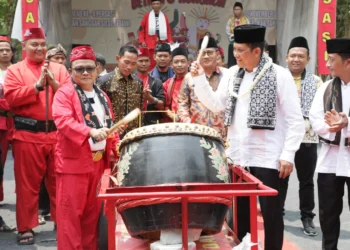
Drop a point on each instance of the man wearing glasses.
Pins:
(34, 138)
(83, 115)
(190, 108)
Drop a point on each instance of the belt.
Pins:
(6, 113)
(29, 124)
(97, 155)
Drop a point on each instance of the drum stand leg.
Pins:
(111, 224)
(184, 211)
(253, 221)
(234, 177)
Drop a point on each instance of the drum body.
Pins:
(170, 154)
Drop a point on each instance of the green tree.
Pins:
(7, 14)
(343, 18)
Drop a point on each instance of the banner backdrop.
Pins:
(107, 25)
(30, 17)
(326, 30)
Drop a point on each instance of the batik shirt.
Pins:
(125, 95)
(310, 135)
(189, 106)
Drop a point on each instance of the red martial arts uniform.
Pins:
(78, 174)
(152, 40)
(6, 127)
(171, 91)
(34, 151)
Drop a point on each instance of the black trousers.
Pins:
(270, 209)
(330, 198)
(305, 164)
(231, 60)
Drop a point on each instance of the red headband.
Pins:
(5, 39)
(82, 53)
(33, 33)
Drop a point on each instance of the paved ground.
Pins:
(293, 225)
(45, 237)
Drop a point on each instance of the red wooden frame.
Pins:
(251, 187)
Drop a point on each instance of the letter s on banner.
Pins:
(326, 30)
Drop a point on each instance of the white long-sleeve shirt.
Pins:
(331, 159)
(258, 147)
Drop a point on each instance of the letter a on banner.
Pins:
(30, 16)
(326, 30)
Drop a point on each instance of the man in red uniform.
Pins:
(34, 140)
(172, 86)
(154, 29)
(153, 96)
(6, 120)
(83, 114)
(56, 54)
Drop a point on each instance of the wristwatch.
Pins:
(38, 88)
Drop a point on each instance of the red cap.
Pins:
(221, 51)
(33, 33)
(5, 39)
(82, 53)
(143, 52)
(131, 34)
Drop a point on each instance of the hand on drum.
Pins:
(99, 134)
(196, 69)
(285, 169)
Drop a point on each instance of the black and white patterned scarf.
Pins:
(332, 99)
(308, 92)
(263, 99)
(89, 114)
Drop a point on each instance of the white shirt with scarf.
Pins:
(100, 113)
(258, 147)
(332, 159)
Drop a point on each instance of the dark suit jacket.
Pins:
(156, 86)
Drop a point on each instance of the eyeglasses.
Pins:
(208, 52)
(81, 70)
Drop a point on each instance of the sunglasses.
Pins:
(81, 70)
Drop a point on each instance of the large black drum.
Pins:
(167, 154)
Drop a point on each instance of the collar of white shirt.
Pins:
(254, 70)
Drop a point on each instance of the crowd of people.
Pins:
(56, 115)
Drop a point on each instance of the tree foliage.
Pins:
(7, 14)
(343, 18)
